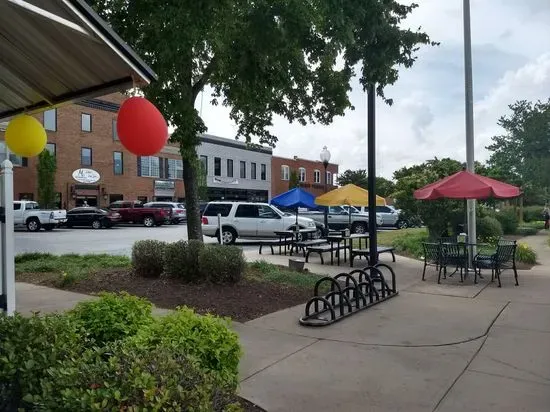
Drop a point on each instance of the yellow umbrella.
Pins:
(350, 195)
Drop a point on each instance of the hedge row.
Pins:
(112, 354)
(190, 261)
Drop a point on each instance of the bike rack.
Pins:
(349, 293)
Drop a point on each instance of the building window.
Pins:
(229, 167)
(316, 176)
(86, 156)
(204, 161)
(253, 171)
(50, 147)
(302, 174)
(149, 166)
(285, 172)
(217, 166)
(175, 169)
(50, 120)
(16, 160)
(263, 172)
(115, 134)
(243, 169)
(142, 199)
(329, 178)
(118, 163)
(86, 122)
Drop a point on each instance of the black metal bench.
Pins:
(305, 244)
(276, 243)
(365, 253)
(320, 249)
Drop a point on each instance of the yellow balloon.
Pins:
(25, 136)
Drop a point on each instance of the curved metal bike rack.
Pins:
(348, 293)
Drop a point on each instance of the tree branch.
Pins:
(201, 82)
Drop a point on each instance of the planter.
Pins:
(296, 264)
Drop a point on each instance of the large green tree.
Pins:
(521, 155)
(46, 168)
(384, 187)
(292, 58)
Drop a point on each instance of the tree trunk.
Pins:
(194, 228)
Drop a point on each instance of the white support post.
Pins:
(7, 240)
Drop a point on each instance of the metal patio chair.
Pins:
(504, 258)
(432, 257)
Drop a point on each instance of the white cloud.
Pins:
(510, 40)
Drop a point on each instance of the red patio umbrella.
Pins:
(467, 185)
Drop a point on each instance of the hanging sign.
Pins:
(86, 176)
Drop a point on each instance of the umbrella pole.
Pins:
(371, 173)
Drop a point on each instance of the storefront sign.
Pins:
(86, 176)
(228, 181)
(164, 188)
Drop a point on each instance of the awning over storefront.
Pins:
(58, 51)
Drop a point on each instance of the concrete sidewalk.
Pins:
(447, 348)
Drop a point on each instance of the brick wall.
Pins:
(278, 185)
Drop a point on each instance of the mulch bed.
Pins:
(244, 301)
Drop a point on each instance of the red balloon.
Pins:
(141, 127)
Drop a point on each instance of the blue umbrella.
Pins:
(294, 199)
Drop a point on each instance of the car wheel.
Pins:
(402, 224)
(33, 225)
(359, 228)
(148, 221)
(228, 236)
(96, 224)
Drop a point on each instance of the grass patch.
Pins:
(263, 271)
(68, 268)
(407, 242)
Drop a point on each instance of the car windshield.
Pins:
(104, 210)
(181, 206)
(278, 211)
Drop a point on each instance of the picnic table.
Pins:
(337, 242)
(290, 237)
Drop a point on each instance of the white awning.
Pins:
(58, 51)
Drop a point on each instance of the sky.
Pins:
(511, 58)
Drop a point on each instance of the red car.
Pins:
(134, 212)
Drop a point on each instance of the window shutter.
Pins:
(161, 168)
(167, 168)
(24, 161)
(139, 165)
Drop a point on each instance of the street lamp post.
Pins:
(325, 158)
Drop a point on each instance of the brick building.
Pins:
(309, 172)
(83, 135)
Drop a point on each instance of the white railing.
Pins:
(7, 254)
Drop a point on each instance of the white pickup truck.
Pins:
(28, 214)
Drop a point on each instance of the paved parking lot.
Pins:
(118, 240)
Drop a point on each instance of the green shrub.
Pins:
(148, 258)
(410, 243)
(527, 231)
(488, 229)
(525, 254)
(222, 263)
(181, 260)
(28, 347)
(533, 213)
(129, 377)
(508, 220)
(207, 338)
(112, 316)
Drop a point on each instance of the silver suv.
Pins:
(248, 220)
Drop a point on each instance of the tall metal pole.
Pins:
(469, 106)
(371, 172)
(326, 207)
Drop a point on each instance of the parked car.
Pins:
(338, 219)
(93, 217)
(249, 220)
(388, 214)
(29, 214)
(134, 212)
(178, 213)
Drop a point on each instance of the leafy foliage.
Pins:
(46, 168)
(207, 338)
(261, 58)
(532, 213)
(148, 257)
(488, 229)
(521, 156)
(293, 180)
(384, 187)
(410, 243)
(181, 260)
(222, 263)
(113, 317)
(509, 220)
(525, 254)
